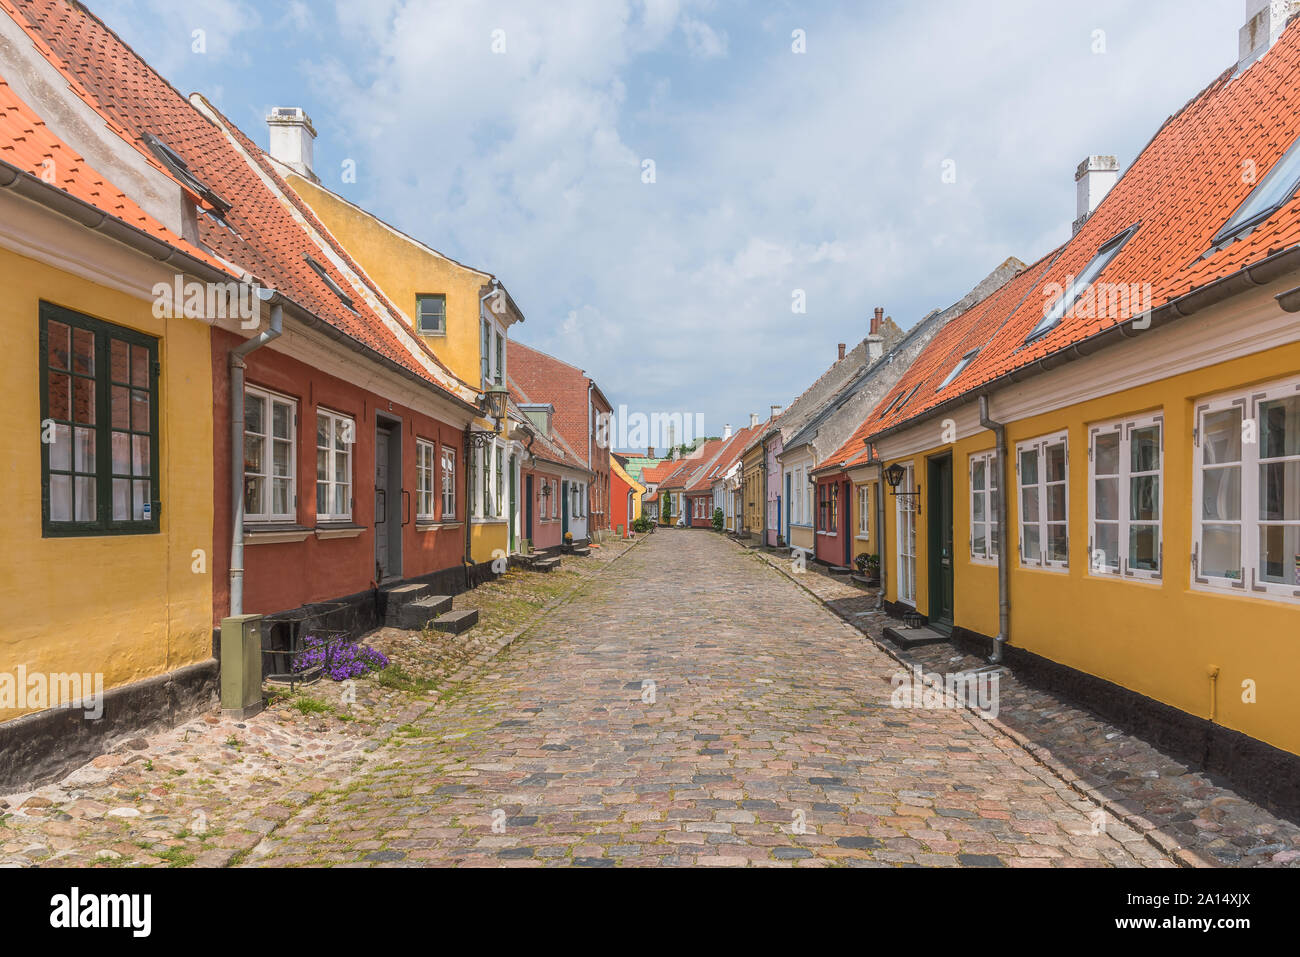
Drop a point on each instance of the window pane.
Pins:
(280, 496)
(60, 498)
(1221, 493)
(85, 503)
(84, 451)
(140, 492)
(1106, 541)
(121, 500)
(1280, 427)
(282, 456)
(322, 431)
(1056, 503)
(977, 476)
(1221, 551)
(83, 351)
(322, 465)
(1223, 436)
(1055, 456)
(1029, 505)
(139, 411)
(1029, 467)
(322, 498)
(1279, 491)
(993, 541)
(977, 508)
(121, 442)
(253, 454)
(979, 541)
(1107, 498)
(60, 345)
(1279, 554)
(341, 504)
(140, 367)
(254, 412)
(342, 432)
(1058, 543)
(252, 495)
(61, 448)
(140, 456)
(1106, 454)
(341, 467)
(281, 420)
(119, 368)
(1030, 547)
(60, 394)
(1144, 449)
(83, 400)
(1144, 547)
(1144, 498)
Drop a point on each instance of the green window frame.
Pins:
(99, 402)
(431, 314)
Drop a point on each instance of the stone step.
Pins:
(413, 616)
(393, 598)
(581, 550)
(455, 622)
(905, 637)
(546, 565)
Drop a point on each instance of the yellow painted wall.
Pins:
(402, 270)
(127, 606)
(1156, 638)
(754, 495)
(485, 539)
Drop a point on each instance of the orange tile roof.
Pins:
(263, 236)
(1180, 191)
(29, 145)
(731, 452)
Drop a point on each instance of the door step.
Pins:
(413, 616)
(905, 637)
(454, 622)
(395, 597)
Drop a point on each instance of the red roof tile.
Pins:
(1180, 191)
(263, 236)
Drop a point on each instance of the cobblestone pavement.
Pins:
(205, 793)
(690, 706)
(1133, 781)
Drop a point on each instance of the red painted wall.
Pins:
(282, 576)
(830, 547)
(707, 521)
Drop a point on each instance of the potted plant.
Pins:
(869, 568)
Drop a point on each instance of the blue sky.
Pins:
(775, 171)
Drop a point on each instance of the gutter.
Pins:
(1004, 572)
(1262, 273)
(237, 367)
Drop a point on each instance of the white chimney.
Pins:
(1093, 180)
(726, 432)
(292, 136)
(776, 410)
(753, 420)
(1265, 21)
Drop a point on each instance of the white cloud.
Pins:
(702, 40)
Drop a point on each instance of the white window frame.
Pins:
(905, 537)
(555, 499)
(270, 400)
(426, 493)
(864, 511)
(1098, 563)
(447, 466)
(992, 483)
(499, 458)
(1250, 583)
(350, 426)
(1040, 446)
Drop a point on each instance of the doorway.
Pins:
(388, 500)
(528, 507)
(564, 510)
(940, 543)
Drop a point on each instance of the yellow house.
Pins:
(752, 491)
(105, 580)
(462, 314)
(1094, 475)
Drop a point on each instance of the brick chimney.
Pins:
(876, 320)
(876, 341)
(292, 136)
(841, 348)
(650, 452)
(1093, 180)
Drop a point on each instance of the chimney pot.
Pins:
(776, 410)
(292, 136)
(753, 420)
(841, 348)
(726, 431)
(1093, 180)
(650, 452)
(876, 319)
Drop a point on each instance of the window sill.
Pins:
(1056, 569)
(275, 534)
(426, 525)
(862, 538)
(338, 530)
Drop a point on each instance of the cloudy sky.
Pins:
(519, 136)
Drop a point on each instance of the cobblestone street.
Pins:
(692, 706)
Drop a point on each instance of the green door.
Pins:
(939, 506)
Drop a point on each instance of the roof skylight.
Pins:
(179, 168)
(958, 369)
(329, 281)
(1272, 191)
(1108, 251)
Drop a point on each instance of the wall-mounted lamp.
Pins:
(494, 404)
(893, 476)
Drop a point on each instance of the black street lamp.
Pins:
(893, 476)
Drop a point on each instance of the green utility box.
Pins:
(241, 666)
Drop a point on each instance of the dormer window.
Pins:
(329, 281)
(958, 369)
(1107, 252)
(1264, 200)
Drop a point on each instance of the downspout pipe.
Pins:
(237, 367)
(1004, 584)
(874, 459)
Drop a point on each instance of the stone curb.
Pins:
(1162, 842)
